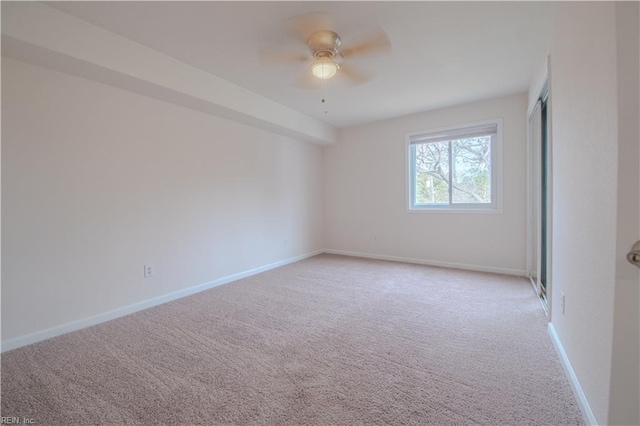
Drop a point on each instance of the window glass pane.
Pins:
(432, 173)
(471, 172)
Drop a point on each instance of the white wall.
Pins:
(365, 193)
(98, 181)
(585, 159)
(35, 33)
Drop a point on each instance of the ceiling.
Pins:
(443, 53)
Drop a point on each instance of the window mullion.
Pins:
(414, 180)
(450, 173)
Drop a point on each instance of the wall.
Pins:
(36, 33)
(584, 161)
(365, 194)
(97, 181)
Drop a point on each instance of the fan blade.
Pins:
(376, 42)
(302, 26)
(353, 76)
(273, 56)
(307, 81)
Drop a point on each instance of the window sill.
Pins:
(450, 210)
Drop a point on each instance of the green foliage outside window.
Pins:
(457, 169)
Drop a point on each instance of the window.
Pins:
(455, 168)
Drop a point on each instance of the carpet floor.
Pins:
(329, 340)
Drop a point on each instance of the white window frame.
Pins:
(496, 172)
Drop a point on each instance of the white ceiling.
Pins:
(444, 53)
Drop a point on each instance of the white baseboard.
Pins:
(505, 271)
(573, 379)
(129, 309)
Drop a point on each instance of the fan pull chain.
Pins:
(324, 94)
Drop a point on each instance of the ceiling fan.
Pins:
(326, 56)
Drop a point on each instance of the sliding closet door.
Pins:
(544, 197)
(535, 126)
(538, 190)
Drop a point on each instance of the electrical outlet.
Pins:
(562, 302)
(285, 243)
(149, 270)
(375, 238)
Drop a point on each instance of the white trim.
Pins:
(454, 210)
(573, 379)
(536, 86)
(534, 285)
(453, 265)
(145, 304)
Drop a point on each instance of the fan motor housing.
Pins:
(324, 43)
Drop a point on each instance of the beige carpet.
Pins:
(329, 340)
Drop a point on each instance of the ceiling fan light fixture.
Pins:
(324, 68)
